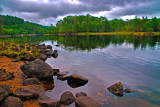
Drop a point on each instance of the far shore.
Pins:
(90, 33)
(110, 33)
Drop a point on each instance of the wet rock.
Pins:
(48, 53)
(48, 85)
(85, 101)
(49, 47)
(6, 88)
(7, 44)
(27, 57)
(23, 53)
(41, 46)
(4, 75)
(4, 92)
(62, 78)
(67, 98)
(15, 60)
(31, 81)
(28, 48)
(49, 103)
(62, 73)
(33, 50)
(55, 54)
(18, 49)
(26, 93)
(12, 102)
(57, 45)
(116, 89)
(81, 94)
(128, 90)
(76, 80)
(42, 56)
(38, 68)
(56, 71)
(12, 55)
(22, 46)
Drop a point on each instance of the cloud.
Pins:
(49, 11)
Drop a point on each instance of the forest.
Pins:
(88, 23)
(77, 24)
(10, 25)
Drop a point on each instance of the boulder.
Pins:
(42, 56)
(67, 98)
(81, 94)
(4, 92)
(26, 93)
(48, 53)
(85, 101)
(49, 103)
(49, 47)
(128, 90)
(12, 102)
(116, 89)
(55, 54)
(38, 68)
(31, 81)
(4, 75)
(76, 80)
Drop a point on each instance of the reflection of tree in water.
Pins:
(91, 42)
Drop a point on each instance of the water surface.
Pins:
(105, 60)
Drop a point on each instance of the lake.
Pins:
(104, 60)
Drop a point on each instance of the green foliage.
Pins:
(88, 23)
(10, 25)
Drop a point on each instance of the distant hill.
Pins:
(13, 25)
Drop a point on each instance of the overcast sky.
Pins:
(48, 12)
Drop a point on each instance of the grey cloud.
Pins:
(39, 11)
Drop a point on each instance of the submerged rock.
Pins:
(67, 98)
(12, 102)
(31, 81)
(49, 103)
(26, 93)
(116, 89)
(85, 101)
(4, 75)
(128, 90)
(81, 94)
(76, 80)
(39, 69)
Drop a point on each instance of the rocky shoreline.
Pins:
(24, 78)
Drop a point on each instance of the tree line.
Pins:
(10, 25)
(76, 24)
(88, 23)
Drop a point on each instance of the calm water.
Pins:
(105, 60)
